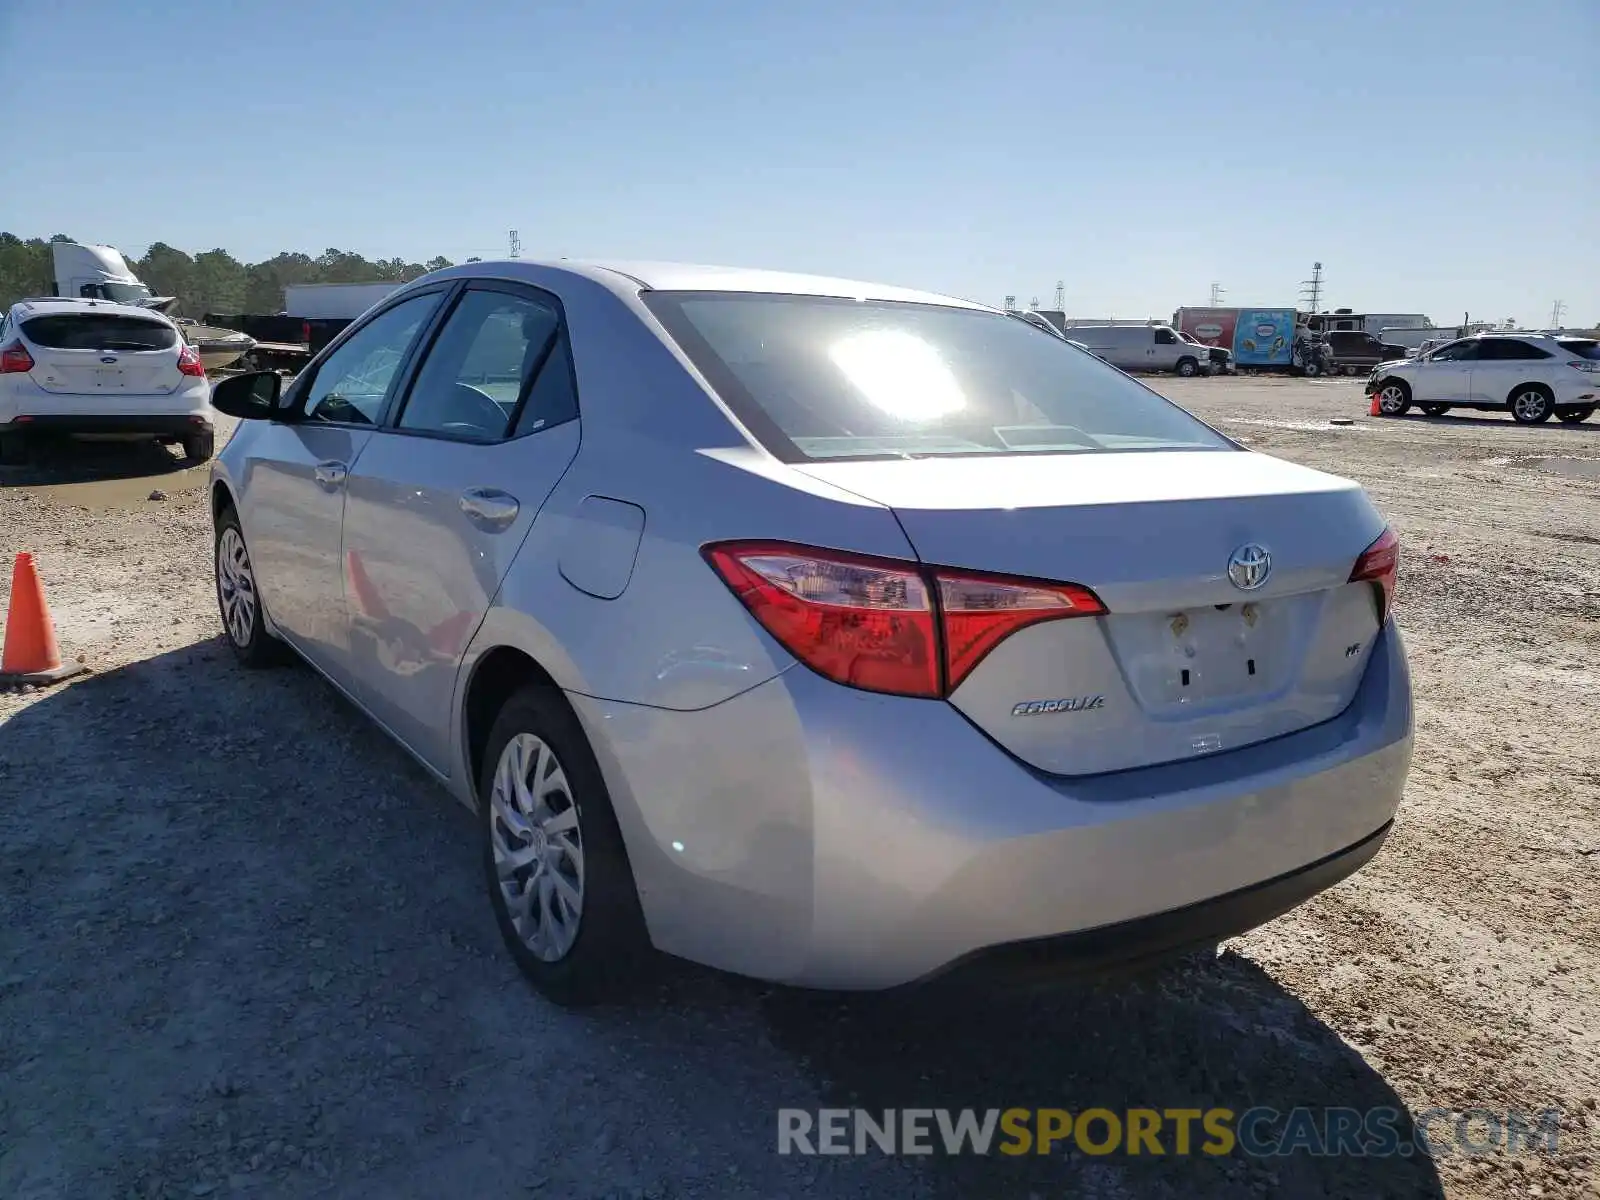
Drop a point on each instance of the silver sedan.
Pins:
(822, 631)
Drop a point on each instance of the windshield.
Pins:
(126, 293)
(822, 378)
(99, 331)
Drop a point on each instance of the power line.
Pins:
(1061, 295)
(1556, 311)
(1216, 295)
(516, 244)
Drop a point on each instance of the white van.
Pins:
(1142, 348)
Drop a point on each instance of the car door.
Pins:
(442, 497)
(1447, 376)
(1502, 363)
(1164, 349)
(296, 473)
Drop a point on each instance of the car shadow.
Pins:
(65, 461)
(245, 944)
(1205, 1033)
(1591, 425)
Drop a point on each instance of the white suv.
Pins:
(1534, 376)
(89, 367)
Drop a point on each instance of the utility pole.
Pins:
(516, 244)
(1216, 295)
(1061, 295)
(1011, 304)
(1033, 304)
(1311, 289)
(1556, 310)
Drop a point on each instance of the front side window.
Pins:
(1456, 352)
(491, 353)
(352, 382)
(817, 377)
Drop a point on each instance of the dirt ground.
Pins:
(244, 948)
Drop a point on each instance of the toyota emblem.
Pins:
(1249, 566)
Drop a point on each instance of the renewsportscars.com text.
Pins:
(1258, 1132)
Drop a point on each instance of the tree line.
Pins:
(212, 281)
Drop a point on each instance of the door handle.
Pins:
(489, 508)
(330, 475)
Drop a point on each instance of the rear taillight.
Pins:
(882, 624)
(189, 362)
(15, 359)
(305, 332)
(1379, 565)
(1588, 367)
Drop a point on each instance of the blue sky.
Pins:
(1436, 155)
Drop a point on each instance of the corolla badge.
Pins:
(1249, 566)
(1040, 708)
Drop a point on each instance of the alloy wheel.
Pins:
(1392, 400)
(1531, 406)
(538, 847)
(236, 587)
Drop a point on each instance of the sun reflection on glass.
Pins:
(899, 373)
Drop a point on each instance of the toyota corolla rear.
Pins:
(1121, 686)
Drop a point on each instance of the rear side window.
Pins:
(99, 331)
(1509, 349)
(822, 378)
(1582, 347)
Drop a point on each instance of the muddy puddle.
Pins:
(104, 475)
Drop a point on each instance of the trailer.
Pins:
(334, 301)
(1261, 339)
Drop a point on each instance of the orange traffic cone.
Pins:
(1375, 411)
(31, 654)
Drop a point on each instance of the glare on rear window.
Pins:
(822, 378)
(98, 331)
(1582, 347)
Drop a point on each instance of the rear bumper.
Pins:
(133, 424)
(815, 835)
(1165, 935)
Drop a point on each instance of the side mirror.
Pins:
(250, 397)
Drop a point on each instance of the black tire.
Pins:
(1188, 368)
(1531, 403)
(251, 644)
(611, 952)
(200, 447)
(1435, 410)
(1394, 397)
(1571, 416)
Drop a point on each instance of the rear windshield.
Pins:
(1582, 347)
(821, 378)
(99, 331)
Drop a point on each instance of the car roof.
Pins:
(629, 276)
(51, 305)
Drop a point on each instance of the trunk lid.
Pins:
(1185, 662)
(100, 353)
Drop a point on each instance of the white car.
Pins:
(72, 367)
(1534, 376)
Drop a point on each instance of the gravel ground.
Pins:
(244, 949)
